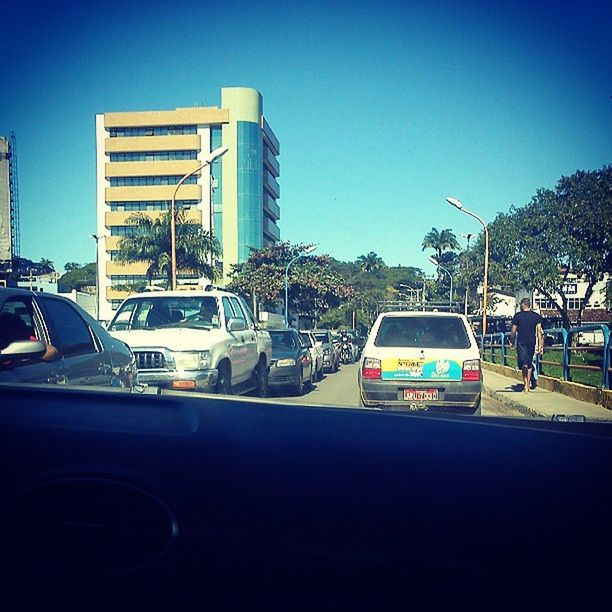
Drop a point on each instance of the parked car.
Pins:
(291, 364)
(316, 353)
(420, 361)
(331, 356)
(49, 339)
(202, 341)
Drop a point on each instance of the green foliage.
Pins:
(151, 243)
(78, 278)
(440, 241)
(72, 265)
(370, 262)
(561, 230)
(313, 285)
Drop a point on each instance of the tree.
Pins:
(440, 241)
(561, 231)
(313, 285)
(80, 278)
(72, 265)
(47, 263)
(151, 243)
(370, 262)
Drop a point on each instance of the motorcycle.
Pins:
(346, 352)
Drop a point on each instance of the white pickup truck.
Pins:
(204, 340)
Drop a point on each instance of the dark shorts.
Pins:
(524, 356)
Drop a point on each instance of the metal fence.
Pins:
(566, 352)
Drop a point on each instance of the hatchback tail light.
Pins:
(371, 368)
(471, 370)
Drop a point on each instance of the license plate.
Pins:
(409, 364)
(421, 395)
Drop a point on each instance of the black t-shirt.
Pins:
(526, 322)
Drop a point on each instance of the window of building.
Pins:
(157, 130)
(150, 205)
(134, 156)
(147, 181)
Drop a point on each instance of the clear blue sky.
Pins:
(382, 108)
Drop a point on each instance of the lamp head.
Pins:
(455, 202)
(310, 249)
(434, 261)
(215, 153)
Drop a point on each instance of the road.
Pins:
(340, 389)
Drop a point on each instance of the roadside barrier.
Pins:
(563, 353)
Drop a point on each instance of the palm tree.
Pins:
(151, 243)
(440, 241)
(370, 262)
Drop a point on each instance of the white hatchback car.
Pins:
(421, 361)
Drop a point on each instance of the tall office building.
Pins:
(142, 156)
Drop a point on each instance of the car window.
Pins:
(22, 309)
(283, 339)
(166, 312)
(321, 336)
(228, 311)
(69, 332)
(306, 340)
(422, 332)
(237, 308)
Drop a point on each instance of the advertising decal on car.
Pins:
(437, 369)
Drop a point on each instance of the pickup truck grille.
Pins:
(150, 360)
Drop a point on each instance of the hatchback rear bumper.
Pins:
(456, 395)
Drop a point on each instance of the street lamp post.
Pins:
(97, 237)
(209, 159)
(457, 204)
(450, 297)
(310, 249)
(465, 307)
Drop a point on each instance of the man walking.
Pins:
(527, 329)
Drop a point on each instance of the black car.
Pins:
(291, 364)
(49, 339)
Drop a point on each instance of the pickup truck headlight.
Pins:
(192, 360)
(282, 363)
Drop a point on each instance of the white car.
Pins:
(195, 341)
(421, 361)
(316, 353)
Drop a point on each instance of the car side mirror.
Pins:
(24, 349)
(236, 324)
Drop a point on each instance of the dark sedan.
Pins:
(49, 339)
(291, 364)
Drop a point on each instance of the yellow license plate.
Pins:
(409, 364)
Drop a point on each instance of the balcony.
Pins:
(269, 137)
(150, 168)
(271, 162)
(271, 207)
(188, 142)
(271, 230)
(271, 185)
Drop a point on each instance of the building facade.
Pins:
(142, 156)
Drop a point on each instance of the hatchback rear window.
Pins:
(422, 332)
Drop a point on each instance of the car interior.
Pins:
(228, 503)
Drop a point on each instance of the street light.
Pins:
(468, 237)
(457, 204)
(450, 297)
(209, 159)
(97, 238)
(310, 249)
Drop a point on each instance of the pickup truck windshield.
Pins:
(165, 312)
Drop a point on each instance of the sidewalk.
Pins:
(539, 403)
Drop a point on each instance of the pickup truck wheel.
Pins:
(224, 382)
(261, 380)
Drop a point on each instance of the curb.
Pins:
(504, 399)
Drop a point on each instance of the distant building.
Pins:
(575, 291)
(141, 157)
